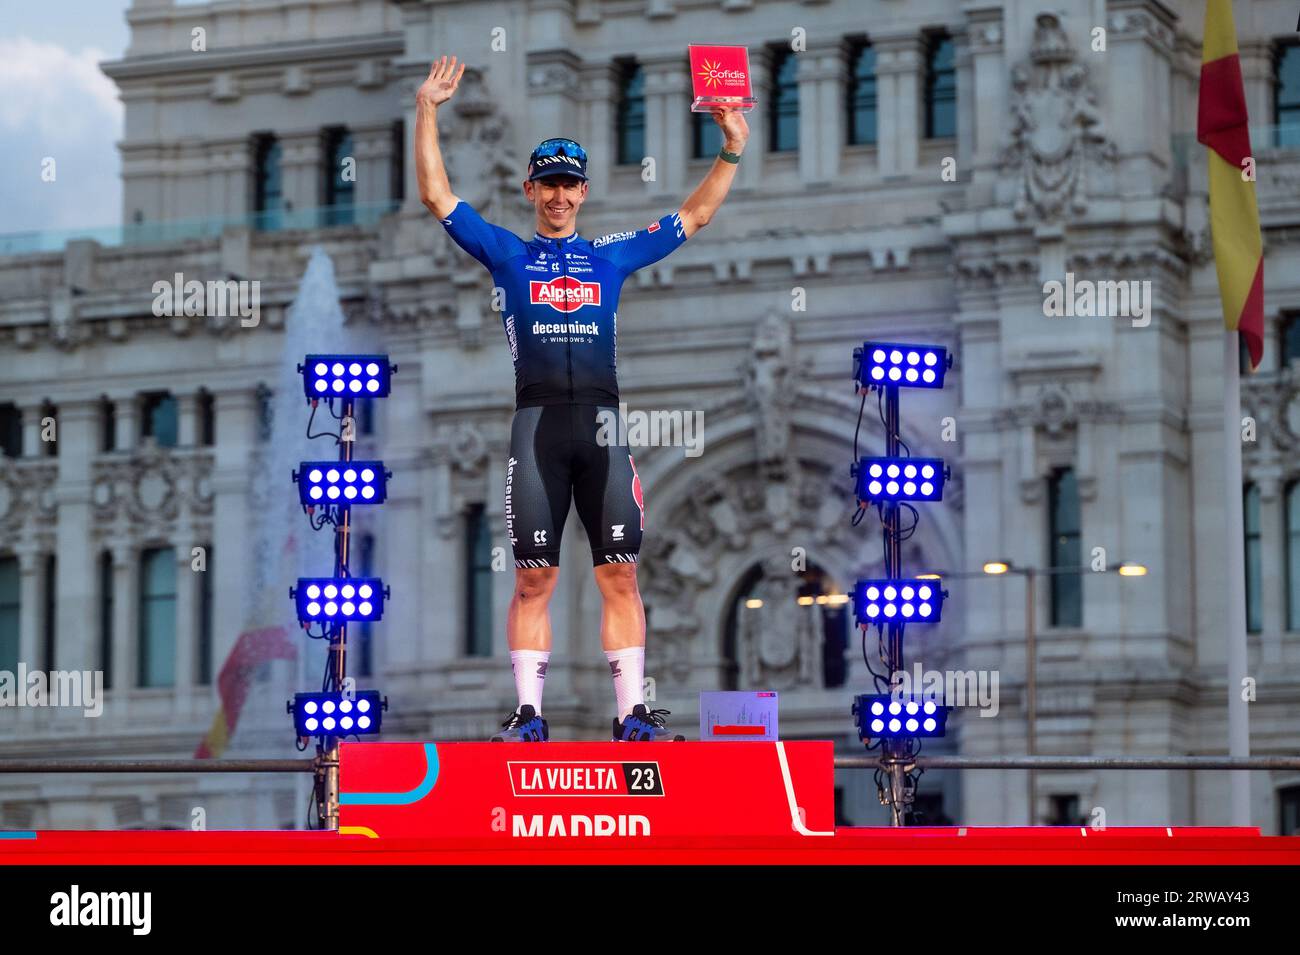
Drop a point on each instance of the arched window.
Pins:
(832, 617)
(106, 617)
(478, 582)
(365, 567)
(783, 111)
(706, 136)
(1293, 556)
(861, 98)
(1290, 344)
(268, 197)
(631, 114)
(9, 613)
(339, 176)
(159, 418)
(157, 662)
(940, 88)
(1288, 802)
(1254, 557)
(1064, 548)
(1286, 94)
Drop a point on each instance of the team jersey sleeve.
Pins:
(629, 251)
(488, 243)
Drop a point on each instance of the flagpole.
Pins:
(1235, 569)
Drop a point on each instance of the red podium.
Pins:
(626, 794)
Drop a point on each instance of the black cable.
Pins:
(867, 661)
(323, 434)
(880, 410)
(862, 406)
(905, 533)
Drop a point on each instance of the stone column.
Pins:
(373, 149)
(667, 115)
(599, 88)
(187, 410)
(1139, 42)
(440, 532)
(236, 423)
(899, 68)
(187, 630)
(32, 446)
(552, 95)
(750, 173)
(126, 413)
(983, 97)
(301, 158)
(964, 61)
(1272, 545)
(220, 158)
(411, 204)
(503, 583)
(239, 178)
(31, 606)
(821, 112)
(76, 609)
(126, 615)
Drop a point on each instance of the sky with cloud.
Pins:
(57, 103)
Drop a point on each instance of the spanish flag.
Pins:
(251, 650)
(1221, 125)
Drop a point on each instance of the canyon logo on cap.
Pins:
(557, 157)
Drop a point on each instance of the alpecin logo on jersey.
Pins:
(564, 293)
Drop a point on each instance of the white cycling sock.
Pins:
(529, 667)
(627, 666)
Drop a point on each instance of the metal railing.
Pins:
(305, 765)
(1255, 763)
(312, 764)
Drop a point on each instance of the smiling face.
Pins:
(556, 200)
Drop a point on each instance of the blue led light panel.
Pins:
(333, 599)
(906, 366)
(885, 716)
(334, 714)
(346, 376)
(342, 482)
(905, 600)
(884, 480)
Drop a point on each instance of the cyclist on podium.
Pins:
(560, 316)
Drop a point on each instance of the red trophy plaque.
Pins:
(720, 78)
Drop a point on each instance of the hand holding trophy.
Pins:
(720, 80)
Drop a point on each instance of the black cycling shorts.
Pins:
(559, 452)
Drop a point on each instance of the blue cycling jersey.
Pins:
(561, 301)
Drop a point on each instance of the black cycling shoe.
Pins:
(524, 726)
(645, 725)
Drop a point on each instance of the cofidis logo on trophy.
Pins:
(720, 78)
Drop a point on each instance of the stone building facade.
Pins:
(937, 222)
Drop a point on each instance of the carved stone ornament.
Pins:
(468, 449)
(1274, 402)
(769, 387)
(476, 146)
(152, 485)
(1057, 134)
(1055, 410)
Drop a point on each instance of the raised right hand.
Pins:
(442, 81)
